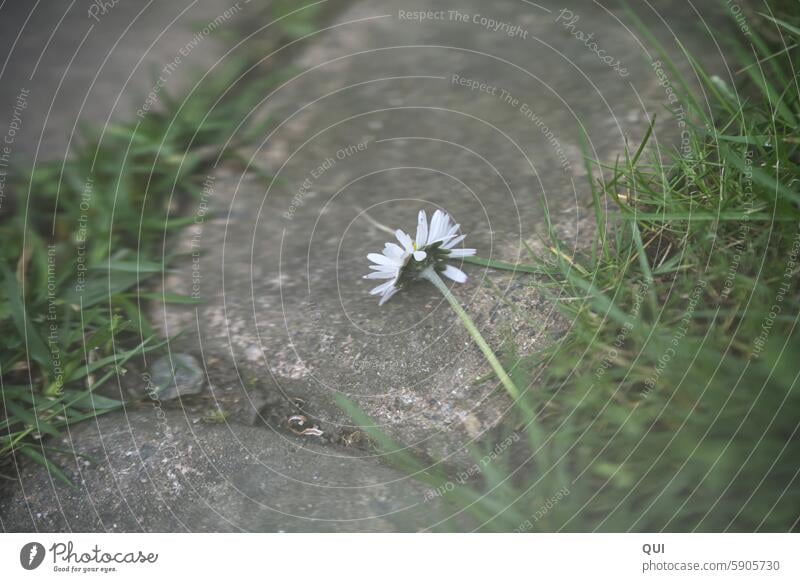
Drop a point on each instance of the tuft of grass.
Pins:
(276, 25)
(672, 403)
(80, 241)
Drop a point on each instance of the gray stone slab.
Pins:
(160, 471)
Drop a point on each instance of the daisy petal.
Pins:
(453, 241)
(381, 275)
(388, 295)
(405, 240)
(457, 253)
(382, 259)
(383, 287)
(436, 226)
(455, 274)
(445, 239)
(422, 229)
(420, 255)
(392, 250)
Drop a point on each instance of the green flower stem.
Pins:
(431, 275)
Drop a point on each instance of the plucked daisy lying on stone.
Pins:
(426, 257)
(431, 249)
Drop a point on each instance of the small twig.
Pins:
(375, 223)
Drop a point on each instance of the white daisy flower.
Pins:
(432, 247)
(426, 258)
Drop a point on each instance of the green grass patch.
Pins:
(81, 238)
